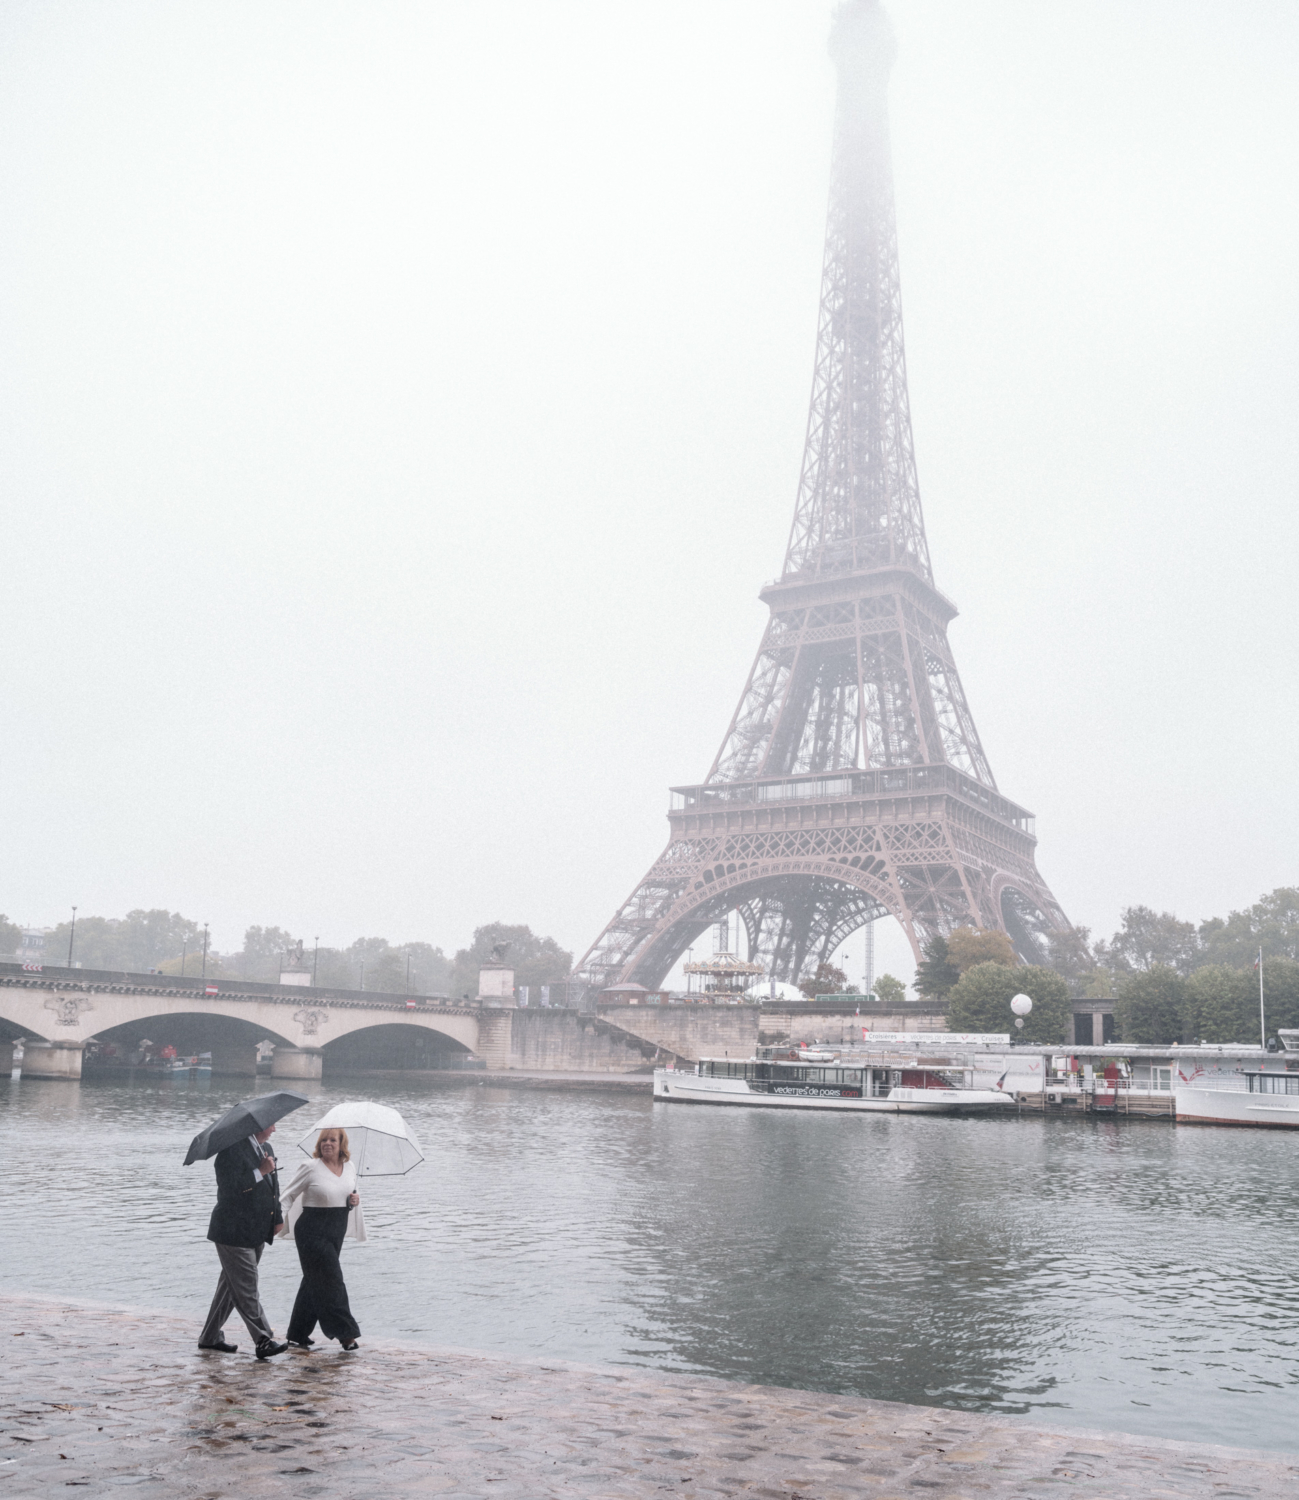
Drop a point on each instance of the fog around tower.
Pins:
(403, 406)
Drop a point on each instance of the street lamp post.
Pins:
(184, 954)
(72, 932)
(315, 960)
(204, 950)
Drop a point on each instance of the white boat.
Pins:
(1258, 1099)
(910, 1088)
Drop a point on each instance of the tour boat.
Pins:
(1258, 1099)
(198, 1066)
(908, 1087)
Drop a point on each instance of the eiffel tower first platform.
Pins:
(851, 783)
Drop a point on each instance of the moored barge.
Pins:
(928, 1088)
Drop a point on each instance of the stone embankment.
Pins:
(695, 1031)
(110, 1400)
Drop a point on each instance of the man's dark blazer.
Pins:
(247, 1209)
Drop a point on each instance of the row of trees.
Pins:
(166, 942)
(1149, 940)
(371, 963)
(138, 942)
(1155, 1003)
(1214, 1003)
(1154, 1007)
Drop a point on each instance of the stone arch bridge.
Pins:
(58, 1012)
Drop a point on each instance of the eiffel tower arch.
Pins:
(851, 783)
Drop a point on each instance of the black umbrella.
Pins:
(242, 1121)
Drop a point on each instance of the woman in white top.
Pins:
(327, 1186)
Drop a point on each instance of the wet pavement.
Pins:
(106, 1400)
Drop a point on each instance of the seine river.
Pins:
(1118, 1275)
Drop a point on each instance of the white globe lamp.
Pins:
(1021, 1005)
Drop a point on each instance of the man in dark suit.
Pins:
(244, 1222)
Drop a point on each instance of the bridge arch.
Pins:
(232, 1040)
(397, 1045)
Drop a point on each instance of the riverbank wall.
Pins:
(638, 1038)
(106, 1398)
(695, 1031)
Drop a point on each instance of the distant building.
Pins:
(31, 950)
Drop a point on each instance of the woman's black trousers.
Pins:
(322, 1297)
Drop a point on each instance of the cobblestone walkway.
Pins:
(106, 1400)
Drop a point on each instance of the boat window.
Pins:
(1273, 1083)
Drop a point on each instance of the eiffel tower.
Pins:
(851, 783)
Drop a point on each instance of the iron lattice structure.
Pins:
(851, 783)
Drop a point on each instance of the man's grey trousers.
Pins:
(237, 1288)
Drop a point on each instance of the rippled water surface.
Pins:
(1118, 1275)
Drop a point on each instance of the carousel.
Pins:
(721, 979)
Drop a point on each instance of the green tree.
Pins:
(10, 937)
(261, 957)
(430, 968)
(935, 973)
(334, 968)
(387, 966)
(889, 990)
(381, 965)
(1150, 940)
(981, 1002)
(1151, 1007)
(967, 946)
(1069, 954)
(1272, 924)
(1281, 993)
(1099, 984)
(534, 959)
(191, 965)
(1221, 1005)
(133, 944)
(828, 980)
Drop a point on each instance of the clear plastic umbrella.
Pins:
(381, 1142)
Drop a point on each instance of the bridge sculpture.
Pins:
(851, 783)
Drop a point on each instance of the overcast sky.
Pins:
(402, 404)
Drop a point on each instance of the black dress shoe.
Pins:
(221, 1348)
(268, 1348)
(352, 1347)
(302, 1344)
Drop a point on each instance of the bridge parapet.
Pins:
(115, 981)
